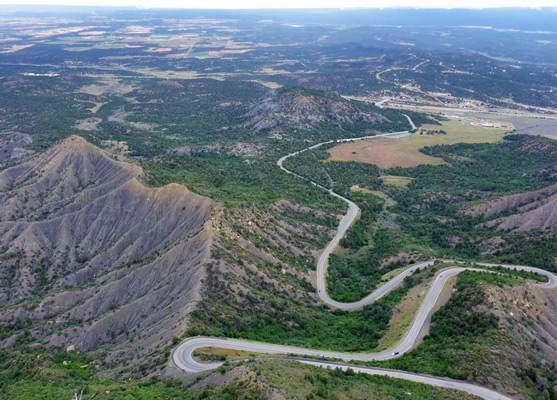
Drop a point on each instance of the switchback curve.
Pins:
(183, 354)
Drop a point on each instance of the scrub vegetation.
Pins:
(479, 337)
(212, 101)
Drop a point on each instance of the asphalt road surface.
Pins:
(183, 354)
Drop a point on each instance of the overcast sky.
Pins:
(295, 3)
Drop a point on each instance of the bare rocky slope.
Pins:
(523, 362)
(11, 145)
(293, 108)
(532, 210)
(91, 257)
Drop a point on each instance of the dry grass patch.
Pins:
(16, 47)
(229, 354)
(405, 152)
(364, 190)
(88, 124)
(388, 201)
(391, 274)
(106, 86)
(168, 74)
(115, 147)
(383, 152)
(403, 316)
(271, 85)
(396, 180)
(96, 107)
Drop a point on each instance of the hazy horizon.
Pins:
(292, 4)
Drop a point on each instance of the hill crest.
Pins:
(96, 252)
(296, 108)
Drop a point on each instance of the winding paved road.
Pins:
(183, 354)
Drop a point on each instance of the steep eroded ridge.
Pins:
(74, 171)
(113, 262)
(527, 211)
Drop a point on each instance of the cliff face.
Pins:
(91, 257)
